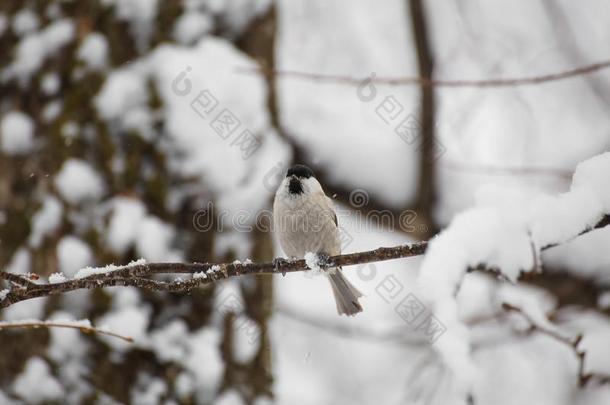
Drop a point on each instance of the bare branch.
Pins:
(422, 81)
(83, 326)
(207, 273)
(572, 343)
(508, 170)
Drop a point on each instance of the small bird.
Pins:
(305, 221)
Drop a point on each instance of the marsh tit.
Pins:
(305, 221)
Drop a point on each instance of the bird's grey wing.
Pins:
(331, 207)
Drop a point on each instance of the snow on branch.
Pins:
(505, 231)
(572, 343)
(135, 274)
(82, 325)
(203, 274)
(422, 81)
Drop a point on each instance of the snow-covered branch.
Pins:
(506, 230)
(135, 274)
(572, 343)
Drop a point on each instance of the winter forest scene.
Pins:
(317, 202)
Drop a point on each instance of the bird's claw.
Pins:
(323, 260)
(280, 262)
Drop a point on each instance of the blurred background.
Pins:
(159, 130)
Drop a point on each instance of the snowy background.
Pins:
(113, 148)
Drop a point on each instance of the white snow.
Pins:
(205, 361)
(126, 218)
(21, 262)
(229, 397)
(595, 340)
(93, 51)
(17, 131)
(66, 344)
(34, 48)
(69, 131)
(45, 221)
(123, 91)
(4, 399)
(57, 278)
(593, 174)
(73, 254)
(184, 384)
(77, 182)
(237, 14)
(36, 384)
(312, 262)
(247, 338)
(215, 268)
(191, 26)
(237, 243)
(171, 341)
(30, 309)
(51, 110)
(88, 271)
(50, 83)
(134, 9)
(148, 391)
(603, 301)
(200, 274)
(140, 120)
(59, 33)
(186, 76)
(154, 241)
(507, 239)
(25, 21)
(140, 15)
(53, 11)
(130, 321)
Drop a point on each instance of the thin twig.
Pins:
(507, 170)
(572, 343)
(422, 81)
(84, 327)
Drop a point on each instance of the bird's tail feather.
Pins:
(346, 295)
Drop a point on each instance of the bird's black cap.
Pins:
(300, 171)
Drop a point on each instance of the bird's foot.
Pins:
(280, 262)
(323, 260)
